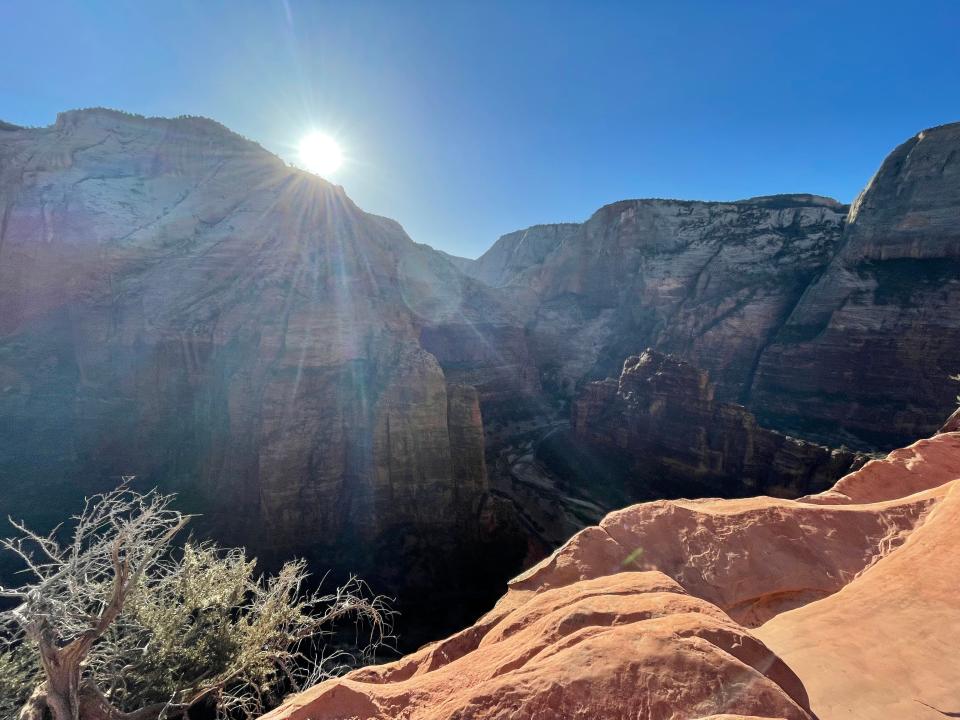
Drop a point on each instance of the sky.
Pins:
(467, 120)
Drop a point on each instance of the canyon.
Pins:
(180, 305)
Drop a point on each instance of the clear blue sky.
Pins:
(467, 120)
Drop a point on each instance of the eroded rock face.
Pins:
(514, 253)
(953, 423)
(883, 646)
(709, 281)
(647, 614)
(872, 345)
(837, 327)
(628, 645)
(663, 418)
(178, 304)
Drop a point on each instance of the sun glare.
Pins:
(320, 153)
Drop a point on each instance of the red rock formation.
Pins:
(885, 645)
(662, 417)
(852, 595)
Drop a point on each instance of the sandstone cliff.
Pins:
(835, 605)
(709, 281)
(178, 304)
(507, 259)
(872, 344)
(838, 324)
(663, 419)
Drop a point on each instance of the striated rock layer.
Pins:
(710, 281)
(177, 303)
(836, 605)
(834, 323)
(872, 344)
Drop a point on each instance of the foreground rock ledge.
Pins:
(838, 605)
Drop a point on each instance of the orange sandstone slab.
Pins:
(886, 645)
(855, 592)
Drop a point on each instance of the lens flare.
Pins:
(320, 153)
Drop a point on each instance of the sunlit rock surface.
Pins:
(508, 258)
(836, 605)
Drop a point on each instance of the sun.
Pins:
(320, 153)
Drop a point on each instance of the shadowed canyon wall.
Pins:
(662, 416)
(180, 305)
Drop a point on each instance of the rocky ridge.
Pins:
(835, 604)
(709, 281)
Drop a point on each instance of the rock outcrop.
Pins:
(663, 419)
(953, 423)
(839, 604)
(872, 344)
(177, 303)
(709, 281)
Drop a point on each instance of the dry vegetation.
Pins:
(116, 624)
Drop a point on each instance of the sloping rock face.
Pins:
(709, 281)
(623, 646)
(512, 254)
(885, 645)
(662, 417)
(836, 605)
(178, 304)
(873, 343)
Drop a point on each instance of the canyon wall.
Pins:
(832, 323)
(709, 281)
(677, 440)
(870, 348)
(180, 305)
